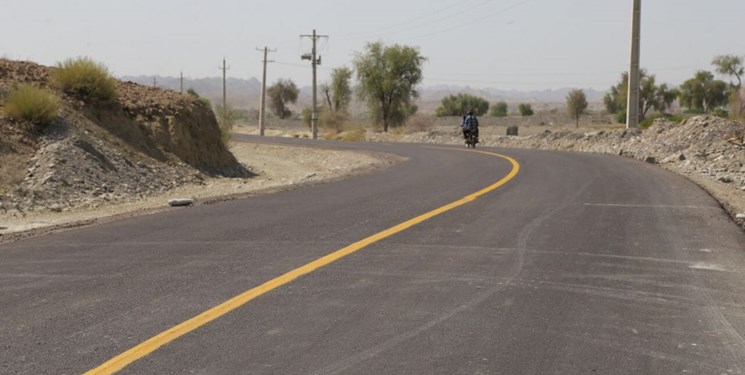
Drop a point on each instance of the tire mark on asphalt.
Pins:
(508, 280)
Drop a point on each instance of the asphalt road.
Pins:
(579, 264)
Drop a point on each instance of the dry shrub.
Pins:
(85, 79)
(332, 120)
(420, 123)
(32, 104)
(352, 134)
(738, 104)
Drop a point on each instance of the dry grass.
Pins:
(32, 104)
(85, 79)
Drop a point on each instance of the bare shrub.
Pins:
(33, 104)
(420, 123)
(352, 134)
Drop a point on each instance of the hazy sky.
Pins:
(508, 44)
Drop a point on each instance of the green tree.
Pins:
(525, 109)
(458, 105)
(576, 104)
(339, 92)
(388, 76)
(703, 93)
(665, 97)
(730, 66)
(499, 110)
(280, 94)
(651, 96)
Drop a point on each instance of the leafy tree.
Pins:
(525, 109)
(651, 96)
(576, 104)
(458, 105)
(281, 93)
(731, 66)
(388, 77)
(339, 92)
(665, 97)
(703, 92)
(499, 109)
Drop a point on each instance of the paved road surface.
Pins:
(579, 264)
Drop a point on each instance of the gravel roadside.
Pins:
(276, 168)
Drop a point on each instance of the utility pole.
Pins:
(632, 105)
(181, 77)
(314, 61)
(263, 90)
(155, 82)
(224, 90)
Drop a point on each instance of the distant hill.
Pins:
(245, 93)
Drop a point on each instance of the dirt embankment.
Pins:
(147, 142)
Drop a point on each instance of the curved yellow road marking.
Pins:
(150, 345)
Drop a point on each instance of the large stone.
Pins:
(180, 202)
(512, 130)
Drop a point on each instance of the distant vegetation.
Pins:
(499, 110)
(33, 104)
(576, 104)
(525, 109)
(85, 79)
(280, 94)
(226, 119)
(459, 105)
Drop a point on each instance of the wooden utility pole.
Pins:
(263, 90)
(224, 90)
(181, 77)
(632, 104)
(314, 61)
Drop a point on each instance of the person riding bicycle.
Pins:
(470, 124)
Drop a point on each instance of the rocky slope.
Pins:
(147, 142)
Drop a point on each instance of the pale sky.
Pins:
(506, 44)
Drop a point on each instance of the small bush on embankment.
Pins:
(85, 79)
(32, 104)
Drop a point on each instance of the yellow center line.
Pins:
(150, 345)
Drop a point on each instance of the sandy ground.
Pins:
(276, 167)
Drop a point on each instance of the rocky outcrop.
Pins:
(149, 141)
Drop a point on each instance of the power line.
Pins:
(473, 21)
(419, 22)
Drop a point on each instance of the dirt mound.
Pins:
(147, 142)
